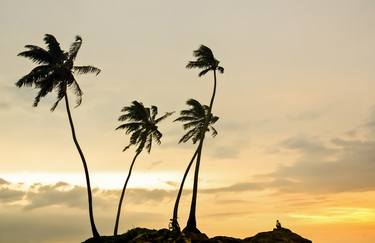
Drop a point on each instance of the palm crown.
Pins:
(195, 119)
(205, 60)
(142, 123)
(55, 70)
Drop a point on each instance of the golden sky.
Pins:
(296, 105)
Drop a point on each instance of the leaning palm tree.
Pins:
(206, 61)
(194, 118)
(55, 72)
(142, 123)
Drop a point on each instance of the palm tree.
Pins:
(142, 123)
(206, 61)
(194, 119)
(56, 72)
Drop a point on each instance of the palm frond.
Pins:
(141, 142)
(205, 60)
(130, 127)
(187, 136)
(197, 64)
(54, 48)
(141, 125)
(135, 137)
(61, 92)
(213, 119)
(77, 91)
(45, 89)
(157, 136)
(86, 69)
(34, 76)
(126, 148)
(196, 119)
(203, 52)
(37, 54)
(149, 143)
(167, 114)
(197, 137)
(204, 72)
(187, 118)
(221, 69)
(199, 123)
(154, 112)
(74, 48)
(55, 71)
(214, 131)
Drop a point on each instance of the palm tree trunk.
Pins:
(191, 225)
(174, 221)
(91, 213)
(123, 194)
(213, 96)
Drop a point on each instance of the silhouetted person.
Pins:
(278, 225)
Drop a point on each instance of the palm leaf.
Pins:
(38, 73)
(141, 125)
(78, 92)
(214, 131)
(54, 48)
(37, 54)
(154, 112)
(86, 69)
(61, 92)
(204, 72)
(167, 114)
(74, 48)
(221, 69)
(187, 136)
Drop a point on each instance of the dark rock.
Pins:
(281, 235)
(142, 235)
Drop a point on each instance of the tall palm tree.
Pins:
(194, 119)
(142, 123)
(56, 72)
(206, 61)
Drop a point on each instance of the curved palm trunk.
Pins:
(123, 194)
(91, 213)
(191, 225)
(174, 221)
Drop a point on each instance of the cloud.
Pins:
(63, 194)
(237, 187)
(58, 226)
(347, 168)
(3, 182)
(60, 194)
(308, 147)
(8, 195)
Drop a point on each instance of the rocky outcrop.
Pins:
(142, 235)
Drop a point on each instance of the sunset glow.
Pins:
(296, 127)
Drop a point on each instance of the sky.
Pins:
(296, 130)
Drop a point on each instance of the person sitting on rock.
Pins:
(278, 225)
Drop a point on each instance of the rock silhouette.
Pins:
(142, 235)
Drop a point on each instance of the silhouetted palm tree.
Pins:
(206, 61)
(194, 119)
(142, 123)
(55, 72)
